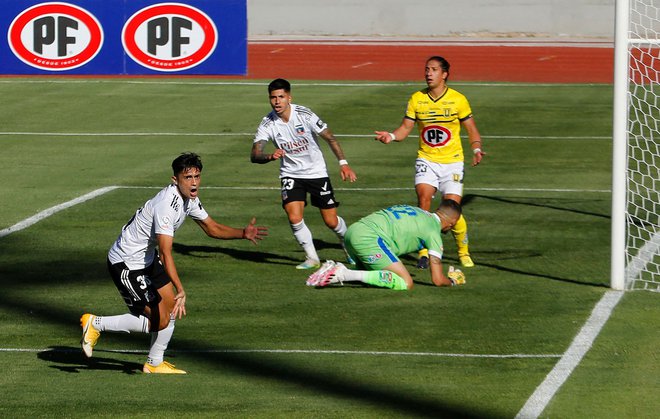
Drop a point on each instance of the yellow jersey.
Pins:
(439, 124)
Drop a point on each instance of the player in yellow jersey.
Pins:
(439, 112)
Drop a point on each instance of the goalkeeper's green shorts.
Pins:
(367, 248)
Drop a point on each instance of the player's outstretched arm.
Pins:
(398, 134)
(216, 230)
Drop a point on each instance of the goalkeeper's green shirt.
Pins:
(407, 229)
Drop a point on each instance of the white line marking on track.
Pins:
(362, 64)
(581, 344)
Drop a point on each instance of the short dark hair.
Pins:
(278, 84)
(450, 207)
(186, 161)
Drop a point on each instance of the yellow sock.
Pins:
(423, 253)
(460, 235)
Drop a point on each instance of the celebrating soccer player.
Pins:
(142, 267)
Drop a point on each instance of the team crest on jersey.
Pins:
(436, 136)
(300, 130)
(374, 258)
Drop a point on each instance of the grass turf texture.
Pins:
(538, 214)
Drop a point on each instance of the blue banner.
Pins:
(124, 37)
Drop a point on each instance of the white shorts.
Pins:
(447, 178)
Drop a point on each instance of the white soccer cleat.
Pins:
(313, 279)
(330, 273)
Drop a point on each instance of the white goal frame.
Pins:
(629, 263)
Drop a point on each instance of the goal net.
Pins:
(637, 48)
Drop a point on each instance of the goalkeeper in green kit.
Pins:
(376, 241)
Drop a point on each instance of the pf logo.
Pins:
(169, 37)
(55, 36)
(436, 136)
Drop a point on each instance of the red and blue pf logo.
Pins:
(55, 36)
(169, 37)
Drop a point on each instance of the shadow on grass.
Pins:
(71, 360)
(238, 254)
(252, 364)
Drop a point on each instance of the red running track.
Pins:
(399, 62)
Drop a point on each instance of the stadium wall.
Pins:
(563, 19)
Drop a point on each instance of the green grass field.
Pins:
(257, 342)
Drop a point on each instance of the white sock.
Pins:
(159, 342)
(341, 227)
(349, 275)
(122, 323)
(304, 237)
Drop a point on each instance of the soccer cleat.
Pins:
(313, 279)
(332, 274)
(423, 262)
(162, 368)
(309, 264)
(90, 335)
(456, 276)
(466, 261)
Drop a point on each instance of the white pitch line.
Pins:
(91, 195)
(581, 344)
(301, 351)
(48, 80)
(52, 210)
(251, 134)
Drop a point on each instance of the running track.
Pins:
(521, 61)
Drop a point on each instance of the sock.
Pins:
(122, 323)
(341, 228)
(385, 279)
(461, 236)
(159, 342)
(304, 237)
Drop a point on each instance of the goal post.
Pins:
(635, 235)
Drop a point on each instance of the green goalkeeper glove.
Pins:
(456, 276)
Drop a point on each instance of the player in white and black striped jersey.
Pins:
(294, 131)
(142, 266)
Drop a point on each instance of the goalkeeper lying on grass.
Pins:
(376, 241)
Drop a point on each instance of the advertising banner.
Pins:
(124, 37)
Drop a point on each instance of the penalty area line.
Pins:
(581, 344)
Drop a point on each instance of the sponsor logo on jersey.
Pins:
(169, 37)
(55, 36)
(373, 258)
(435, 135)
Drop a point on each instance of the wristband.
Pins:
(342, 162)
(476, 150)
(243, 235)
(392, 136)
